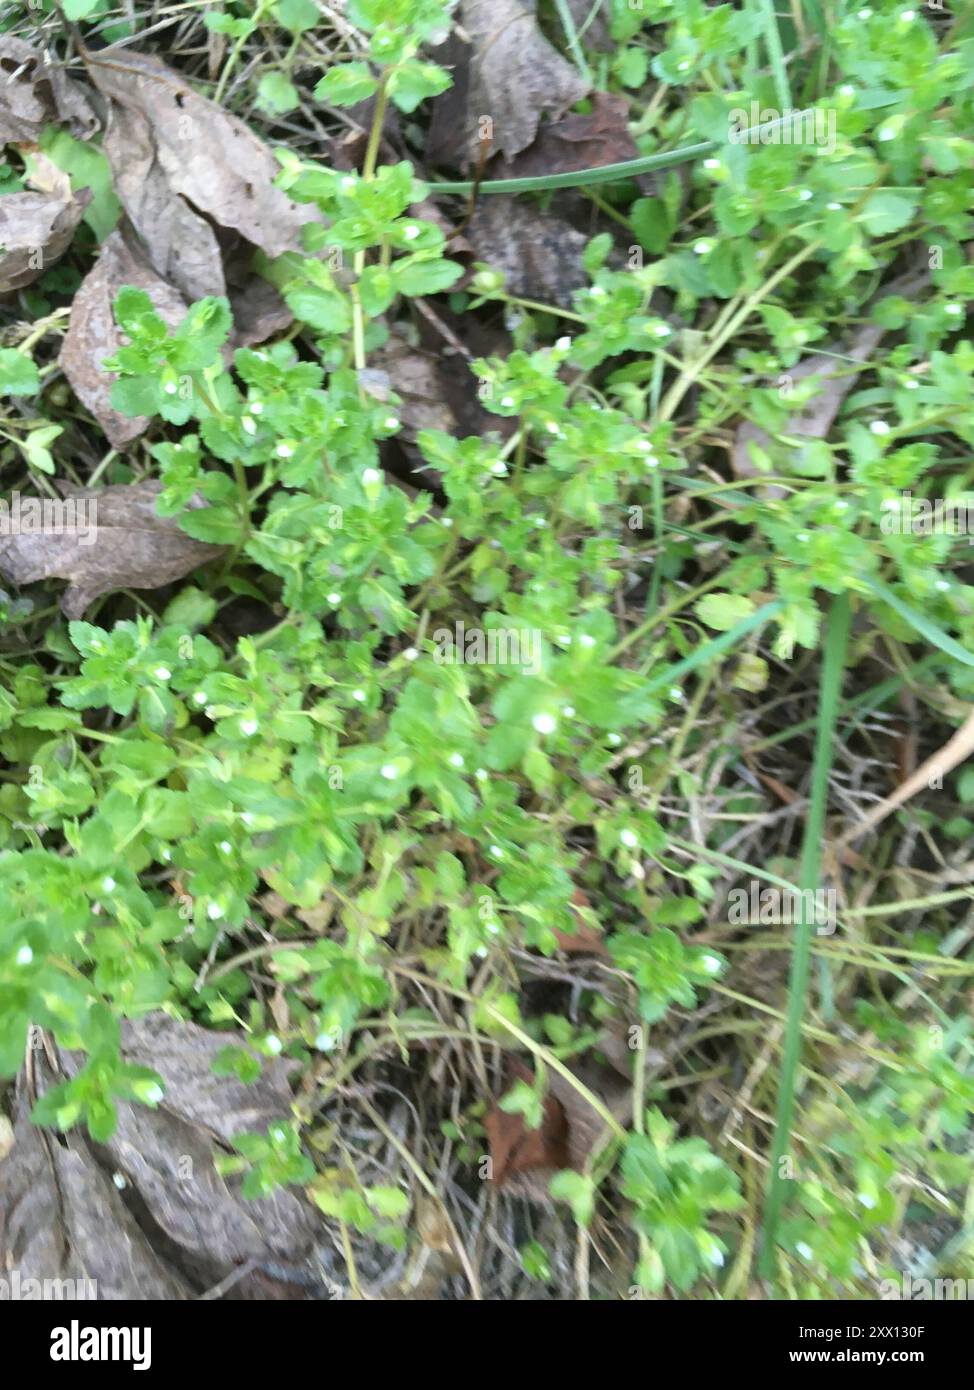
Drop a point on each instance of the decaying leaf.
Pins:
(414, 375)
(524, 1160)
(113, 540)
(515, 74)
(539, 252)
(183, 167)
(147, 1215)
(516, 1149)
(838, 373)
(34, 91)
(576, 141)
(585, 937)
(62, 1217)
(93, 334)
(36, 225)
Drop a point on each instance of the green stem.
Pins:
(836, 640)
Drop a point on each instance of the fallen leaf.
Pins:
(524, 1160)
(130, 547)
(183, 168)
(838, 374)
(585, 937)
(37, 225)
(514, 1148)
(146, 1215)
(515, 74)
(93, 333)
(61, 1217)
(539, 252)
(576, 142)
(34, 92)
(414, 375)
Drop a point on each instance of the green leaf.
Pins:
(413, 81)
(724, 611)
(18, 374)
(276, 94)
(427, 277)
(346, 85)
(887, 211)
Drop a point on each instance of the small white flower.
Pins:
(170, 388)
(538, 521)
(942, 586)
(119, 1180)
(256, 407)
(711, 964)
(879, 427)
(389, 771)
(834, 207)
(24, 956)
(446, 521)
(334, 598)
(248, 727)
(371, 476)
(273, 1044)
(597, 292)
(348, 182)
(153, 1094)
(908, 16)
(545, 723)
(248, 425)
(496, 852)
(108, 884)
(358, 695)
(247, 817)
(564, 639)
(481, 774)
(563, 344)
(865, 1200)
(804, 1250)
(568, 711)
(498, 468)
(284, 451)
(847, 90)
(455, 760)
(675, 693)
(507, 402)
(327, 1042)
(551, 426)
(637, 870)
(587, 640)
(629, 838)
(162, 673)
(410, 653)
(711, 164)
(911, 384)
(411, 232)
(804, 194)
(391, 422)
(226, 846)
(661, 330)
(703, 247)
(683, 64)
(865, 13)
(955, 309)
(214, 911)
(613, 740)
(802, 536)
(199, 697)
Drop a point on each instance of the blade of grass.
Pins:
(605, 173)
(935, 635)
(571, 38)
(836, 641)
(772, 42)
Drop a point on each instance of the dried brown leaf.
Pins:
(577, 141)
(183, 167)
(515, 74)
(539, 252)
(35, 92)
(129, 547)
(61, 1217)
(93, 334)
(36, 226)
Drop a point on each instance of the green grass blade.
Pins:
(934, 635)
(715, 647)
(772, 42)
(836, 641)
(605, 173)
